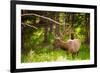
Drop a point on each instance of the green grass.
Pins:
(46, 52)
(35, 50)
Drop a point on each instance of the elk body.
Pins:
(71, 46)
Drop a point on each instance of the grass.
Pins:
(46, 52)
(37, 51)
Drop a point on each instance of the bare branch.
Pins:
(29, 25)
(33, 14)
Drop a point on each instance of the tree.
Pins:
(87, 26)
(57, 27)
(72, 21)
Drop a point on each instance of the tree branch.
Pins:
(33, 14)
(29, 25)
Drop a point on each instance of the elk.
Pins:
(72, 45)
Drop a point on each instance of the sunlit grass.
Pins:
(47, 53)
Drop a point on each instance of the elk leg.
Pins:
(77, 53)
(73, 56)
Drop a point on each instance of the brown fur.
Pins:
(71, 46)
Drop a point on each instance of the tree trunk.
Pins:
(50, 23)
(87, 26)
(72, 17)
(57, 30)
(46, 33)
(46, 29)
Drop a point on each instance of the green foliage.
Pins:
(50, 38)
(62, 17)
(80, 33)
(31, 38)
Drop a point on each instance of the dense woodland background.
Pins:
(40, 28)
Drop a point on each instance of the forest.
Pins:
(48, 36)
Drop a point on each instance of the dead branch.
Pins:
(33, 14)
(29, 25)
